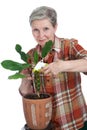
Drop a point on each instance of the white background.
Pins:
(15, 28)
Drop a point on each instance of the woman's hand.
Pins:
(26, 86)
(53, 68)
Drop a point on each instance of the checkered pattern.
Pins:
(69, 107)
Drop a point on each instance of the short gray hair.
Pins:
(43, 12)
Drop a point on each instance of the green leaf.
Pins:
(23, 55)
(37, 80)
(36, 57)
(47, 48)
(16, 76)
(12, 65)
(18, 48)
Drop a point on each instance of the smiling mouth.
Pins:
(43, 40)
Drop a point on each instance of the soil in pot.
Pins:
(35, 96)
(37, 110)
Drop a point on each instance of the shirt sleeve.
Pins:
(78, 51)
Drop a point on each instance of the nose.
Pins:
(41, 34)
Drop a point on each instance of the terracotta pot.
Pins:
(37, 112)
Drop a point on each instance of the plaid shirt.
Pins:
(69, 106)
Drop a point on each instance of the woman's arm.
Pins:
(54, 68)
(79, 65)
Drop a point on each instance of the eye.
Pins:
(46, 28)
(35, 30)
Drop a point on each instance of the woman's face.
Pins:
(43, 31)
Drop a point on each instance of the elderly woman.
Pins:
(69, 59)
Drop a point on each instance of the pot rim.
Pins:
(26, 97)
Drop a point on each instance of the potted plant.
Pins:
(37, 106)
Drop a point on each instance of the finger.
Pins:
(25, 71)
(45, 68)
(29, 78)
(47, 71)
